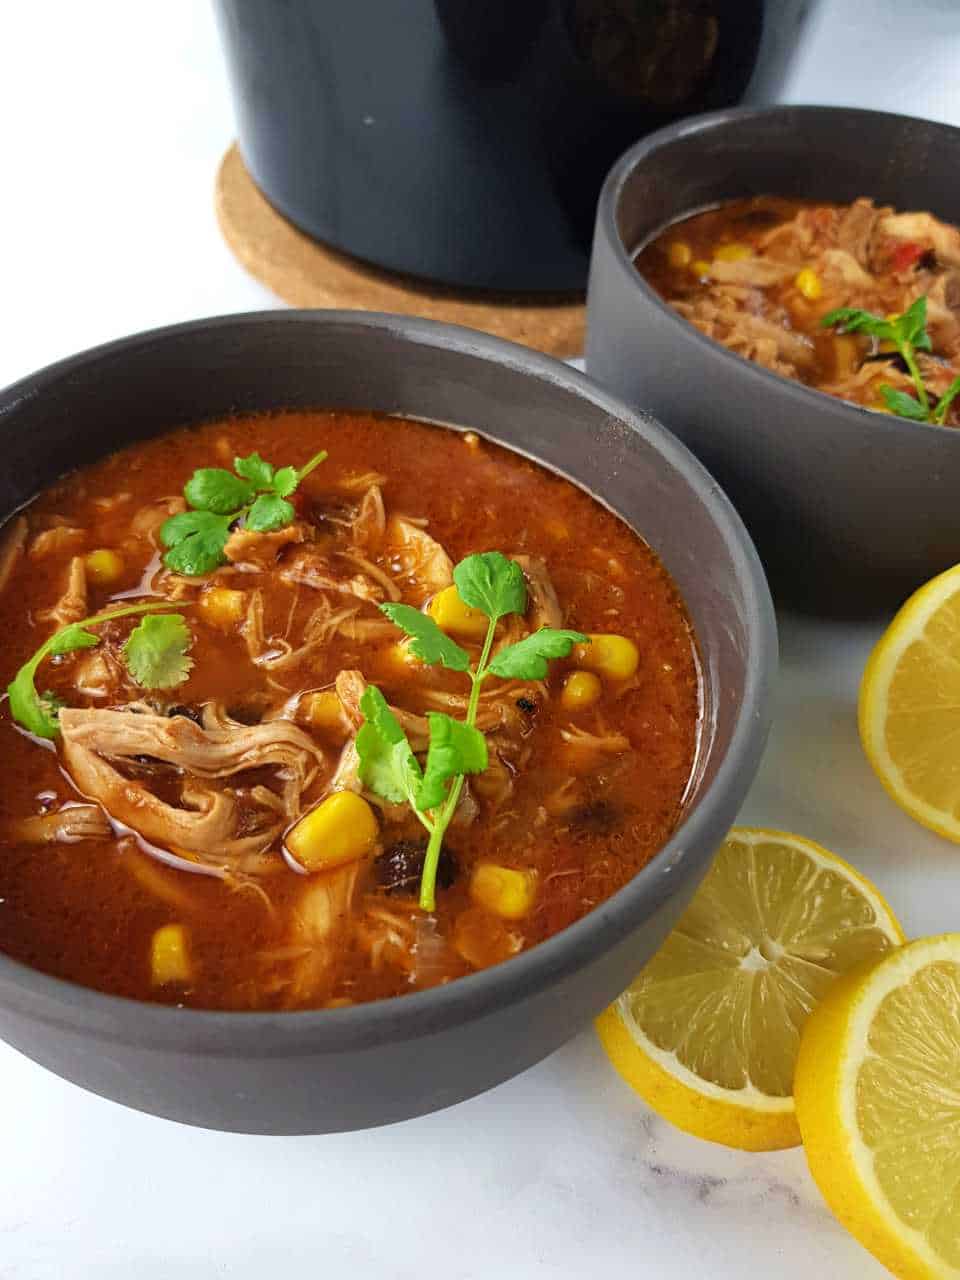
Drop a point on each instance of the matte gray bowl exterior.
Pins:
(851, 510)
(333, 1070)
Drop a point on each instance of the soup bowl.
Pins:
(851, 510)
(347, 1068)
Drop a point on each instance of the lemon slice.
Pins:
(878, 1100)
(910, 706)
(708, 1033)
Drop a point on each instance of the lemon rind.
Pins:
(906, 628)
(893, 972)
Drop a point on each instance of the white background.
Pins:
(113, 118)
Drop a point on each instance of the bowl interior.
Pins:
(815, 153)
(76, 412)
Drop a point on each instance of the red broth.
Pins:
(576, 799)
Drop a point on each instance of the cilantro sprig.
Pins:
(493, 584)
(156, 651)
(257, 495)
(38, 712)
(908, 333)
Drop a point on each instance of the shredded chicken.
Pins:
(248, 547)
(68, 825)
(12, 542)
(321, 922)
(146, 523)
(98, 674)
(208, 824)
(543, 607)
(59, 541)
(418, 558)
(923, 228)
(72, 605)
(605, 743)
(350, 686)
(310, 567)
(370, 522)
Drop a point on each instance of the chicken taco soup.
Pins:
(857, 301)
(310, 709)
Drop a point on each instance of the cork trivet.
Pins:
(306, 273)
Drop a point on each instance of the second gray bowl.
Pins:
(851, 510)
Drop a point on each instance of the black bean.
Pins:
(399, 869)
(527, 705)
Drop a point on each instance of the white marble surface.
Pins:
(113, 123)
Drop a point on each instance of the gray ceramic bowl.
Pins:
(851, 510)
(349, 1068)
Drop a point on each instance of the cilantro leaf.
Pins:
(945, 401)
(253, 468)
(491, 583)
(854, 320)
(527, 659)
(428, 642)
(912, 325)
(455, 748)
(71, 638)
(38, 712)
(155, 651)
(268, 512)
(903, 404)
(286, 481)
(387, 763)
(195, 541)
(213, 489)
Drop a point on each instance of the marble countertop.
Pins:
(113, 126)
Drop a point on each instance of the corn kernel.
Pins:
(509, 894)
(323, 711)
(104, 567)
(808, 282)
(169, 956)
(339, 830)
(613, 656)
(679, 254)
(700, 268)
(732, 252)
(456, 618)
(223, 607)
(581, 689)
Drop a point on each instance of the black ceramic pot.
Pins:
(466, 140)
(851, 510)
(349, 1068)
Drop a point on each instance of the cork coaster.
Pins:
(306, 273)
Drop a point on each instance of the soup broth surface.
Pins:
(577, 798)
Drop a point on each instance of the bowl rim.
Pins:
(265, 1034)
(725, 121)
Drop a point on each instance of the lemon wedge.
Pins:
(709, 1031)
(910, 706)
(878, 1101)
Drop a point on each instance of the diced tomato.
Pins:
(905, 254)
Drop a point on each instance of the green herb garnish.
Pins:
(908, 333)
(494, 585)
(156, 651)
(38, 712)
(257, 495)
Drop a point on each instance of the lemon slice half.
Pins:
(708, 1033)
(909, 709)
(878, 1101)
